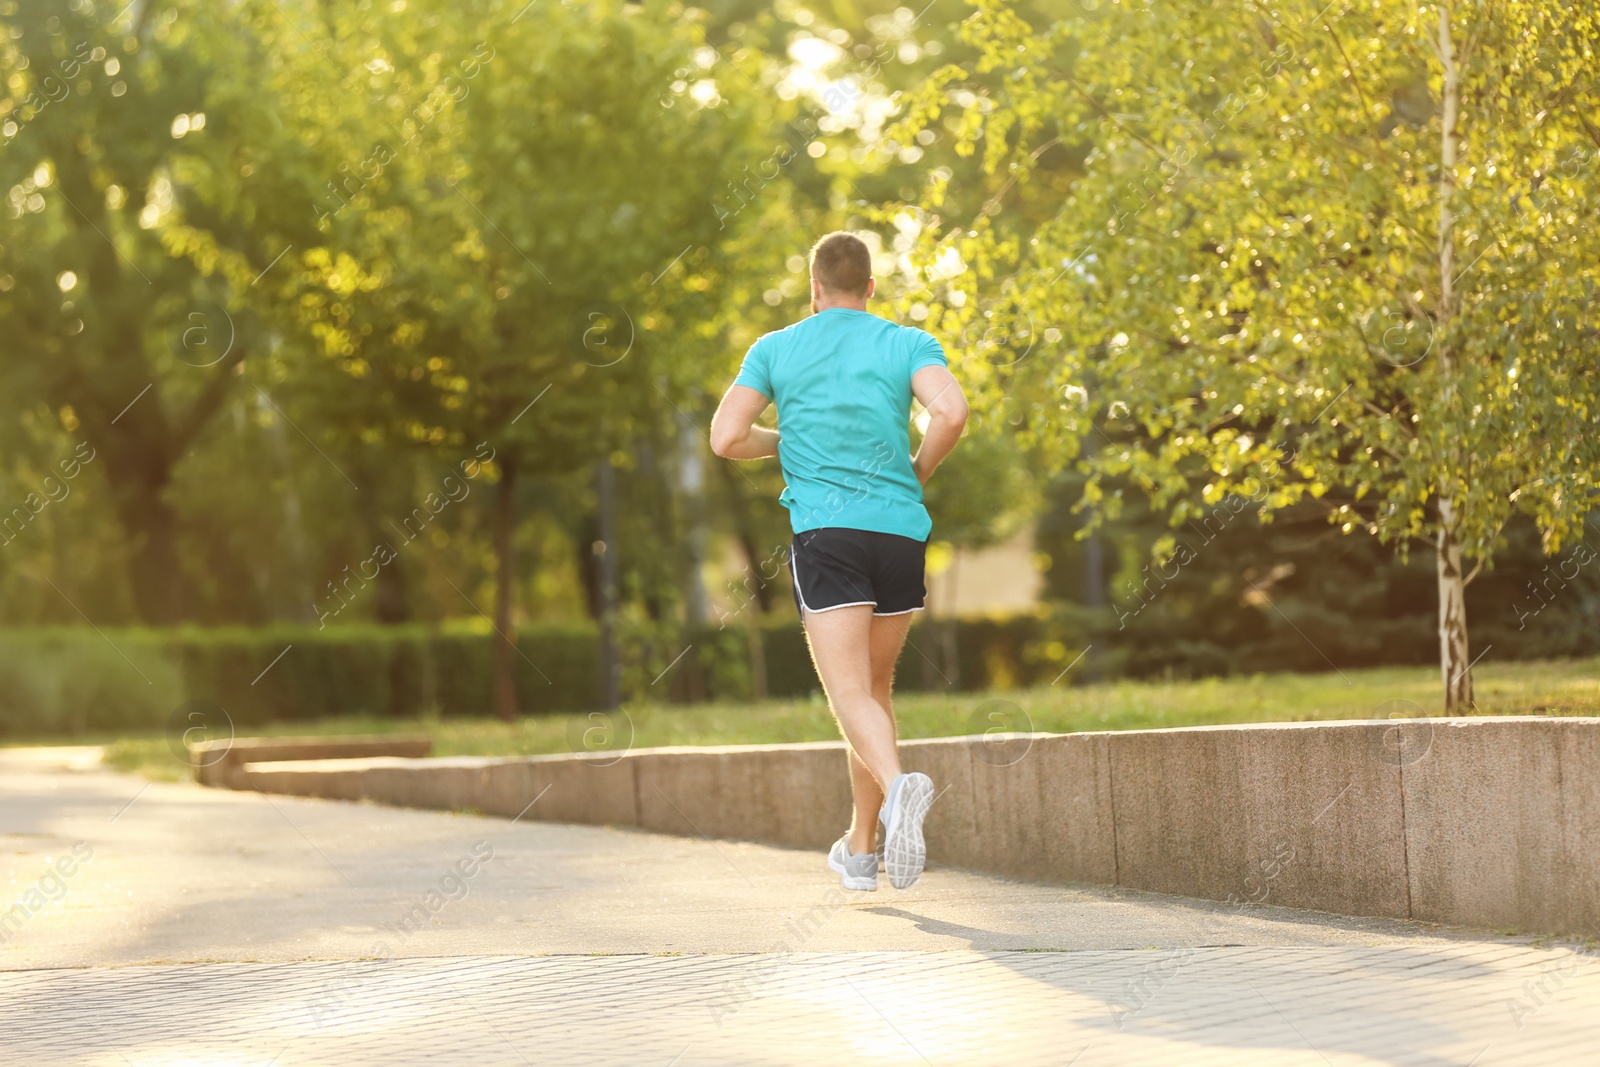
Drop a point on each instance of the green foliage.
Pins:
(75, 682)
(1563, 688)
(326, 253)
(71, 682)
(287, 268)
(1259, 269)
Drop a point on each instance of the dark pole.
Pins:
(606, 550)
(505, 684)
(1094, 575)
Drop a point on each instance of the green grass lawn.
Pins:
(1563, 687)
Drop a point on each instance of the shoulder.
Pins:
(911, 336)
(919, 341)
(907, 338)
(779, 338)
(922, 349)
(761, 348)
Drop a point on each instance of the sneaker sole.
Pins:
(904, 851)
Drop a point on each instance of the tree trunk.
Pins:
(1450, 109)
(1094, 595)
(125, 414)
(948, 650)
(691, 481)
(430, 670)
(696, 610)
(391, 592)
(505, 682)
(391, 589)
(744, 529)
(138, 485)
(756, 646)
(585, 538)
(610, 662)
(1454, 665)
(391, 601)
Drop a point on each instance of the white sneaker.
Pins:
(855, 872)
(904, 851)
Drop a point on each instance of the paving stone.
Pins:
(1347, 1006)
(239, 929)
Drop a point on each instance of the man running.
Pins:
(843, 380)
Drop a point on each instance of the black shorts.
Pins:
(834, 567)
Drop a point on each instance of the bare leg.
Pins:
(843, 642)
(857, 671)
(888, 638)
(868, 795)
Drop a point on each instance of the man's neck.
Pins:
(847, 305)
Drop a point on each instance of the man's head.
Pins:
(841, 272)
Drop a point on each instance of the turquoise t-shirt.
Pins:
(842, 383)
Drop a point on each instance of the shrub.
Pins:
(68, 681)
(75, 682)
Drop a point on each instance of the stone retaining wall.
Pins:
(1487, 822)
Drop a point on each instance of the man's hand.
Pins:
(939, 392)
(734, 433)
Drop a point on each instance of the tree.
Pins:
(577, 181)
(133, 143)
(1304, 248)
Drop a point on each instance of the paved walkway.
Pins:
(197, 926)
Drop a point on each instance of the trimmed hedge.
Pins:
(72, 681)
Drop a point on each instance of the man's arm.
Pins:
(734, 433)
(939, 392)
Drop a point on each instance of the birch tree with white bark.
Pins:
(1338, 256)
